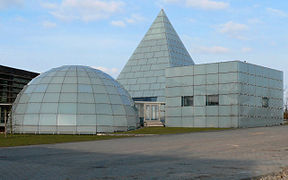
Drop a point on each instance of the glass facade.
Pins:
(226, 94)
(73, 100)
(12, 82)
(161, 47)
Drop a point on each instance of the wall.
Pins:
(257, 82)
(225, 79)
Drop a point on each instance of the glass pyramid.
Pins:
(144, 74)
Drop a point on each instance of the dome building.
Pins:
(73, 100)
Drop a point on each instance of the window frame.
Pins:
(212, 103)
(265, 102)
(183, 104)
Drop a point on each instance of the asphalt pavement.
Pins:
(230, 154)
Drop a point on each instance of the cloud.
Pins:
(10, 3)
(210, 50)
(255, 21)
(49, 5)
(246, 49)
(200, 4)
(277, 12)
(84, 10)
(233, 29)
(118, 23)
(135, 18)
(48, 24)
(111, 71)
(207, 4)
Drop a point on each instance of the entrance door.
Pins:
(152, 112)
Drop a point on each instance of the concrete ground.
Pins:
(231, 154)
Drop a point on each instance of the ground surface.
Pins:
(231, 154)
(170, 130)
(32, 139)
(283, 175)
(20, 140)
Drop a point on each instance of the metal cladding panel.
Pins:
(173, 111)
(212, 121)
(174, 101)
(258, 83)
(160, 48)
(241, 88)
(212, 111)
(187, 121)
(73, 99)
(174, 121)
(200, 121)
(187, 111)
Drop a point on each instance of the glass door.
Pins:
(152, 112)
(147, 112)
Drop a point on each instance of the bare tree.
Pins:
(285, 94)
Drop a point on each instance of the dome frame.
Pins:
(73, 99)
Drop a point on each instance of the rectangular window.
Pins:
(265, 102)
(153, 99)
(187, 101)
(212, 100)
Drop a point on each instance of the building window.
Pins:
(265, 102)
(187, 101)
(212, 100)
(152, 99)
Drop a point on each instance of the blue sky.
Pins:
(37, 35)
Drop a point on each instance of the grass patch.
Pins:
(31, 139)
(169, 130)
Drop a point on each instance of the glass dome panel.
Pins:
(73, 99)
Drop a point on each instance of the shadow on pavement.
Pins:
(52, 163)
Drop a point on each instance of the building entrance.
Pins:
(151, 113)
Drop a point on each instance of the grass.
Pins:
(169, 130)
(32, 139)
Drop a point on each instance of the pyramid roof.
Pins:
(144, 73)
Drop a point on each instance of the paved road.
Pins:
(232, 154)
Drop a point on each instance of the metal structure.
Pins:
(73, 100)
(12, 82)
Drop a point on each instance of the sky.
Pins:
(38, 35)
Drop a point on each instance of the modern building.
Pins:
(144, 73)
(164, 83)
(12, 82)
(73, 100)
(227, 94)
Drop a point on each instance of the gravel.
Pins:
(283, 175)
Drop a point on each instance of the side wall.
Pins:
(199, 81)
(258, 82)
(241, 88)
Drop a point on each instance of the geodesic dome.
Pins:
(73, 100)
